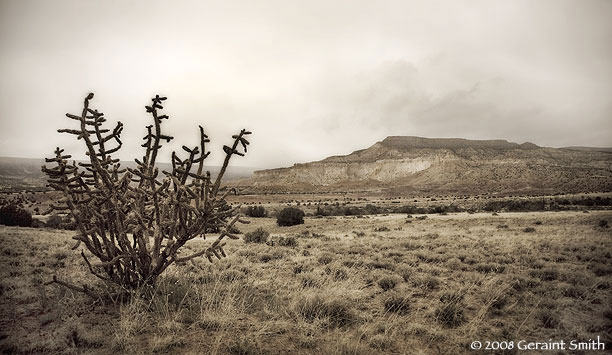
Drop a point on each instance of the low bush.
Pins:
(259, 235)
(336, 311)
(308, 281)
(290, 216)
(339, 274)
(545, 274)
(450, 312)
(426, 282)
(388, 282)
(549, 318)
(256, 211)
(486, 268)
(397, 304)
(290, 241)
(61, 222)
(14, 215)
(325, 259)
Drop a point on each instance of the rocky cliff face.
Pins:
(414, 164)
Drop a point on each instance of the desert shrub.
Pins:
(524, 283)
(603, 223)
(290, 216)
(529, 230)
(450, 312)
(426, 282)
(409, 209)
(335, 210)
(308, 281)
(325, 259)
(545, 274)
(256, 211)
(259, 235)
(516, 205)
(132, 220)
(405, 272)
(489, 267)
(231, 275)
(321, 211)
(388, 282)
(381, 342)
(14, 215)
(372, 209)
(265, 257)
(549, 318)
(36, 223)
(290, 241)
(338, 274)
(381, 265)
(298, 269)
(397, 304)
(55, 221)
(336, 311)
(244, 345)
(574, 291)
(602, 270)
(61, 222)
(381, 229)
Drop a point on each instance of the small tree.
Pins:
(134, 223)
(13, 215)
(290, 216)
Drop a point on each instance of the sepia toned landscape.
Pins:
(363, 274)
(321, 177)
(340, 285)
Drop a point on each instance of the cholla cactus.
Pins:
(132, 221)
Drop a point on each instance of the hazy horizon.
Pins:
(310, 80)
(164, 161)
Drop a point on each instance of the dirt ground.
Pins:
(334, 285)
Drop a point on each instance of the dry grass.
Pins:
(343, 285)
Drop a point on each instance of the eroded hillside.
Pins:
(447, 165)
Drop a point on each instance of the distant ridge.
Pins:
(589, 149)
(20, 173)
(401, 165)
(411, 142)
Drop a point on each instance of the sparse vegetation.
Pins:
(290, 216)
(441, 279)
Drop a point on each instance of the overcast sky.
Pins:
(309, 78)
